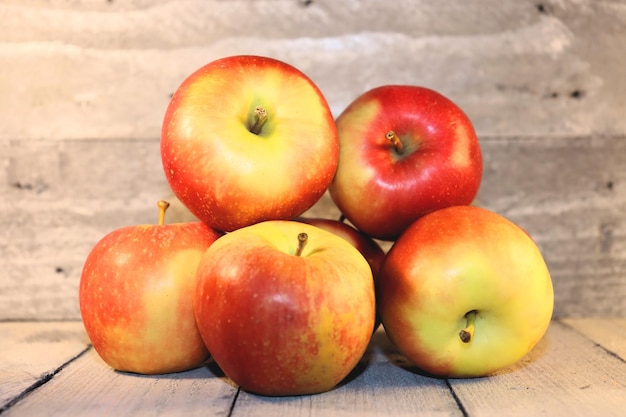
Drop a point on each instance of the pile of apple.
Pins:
(287, 305)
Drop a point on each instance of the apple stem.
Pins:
(163, 205)
(260, 117)
(342, 218)
(395, 141)
(302, 239)
(468, 332)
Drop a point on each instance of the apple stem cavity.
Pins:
(163, 206)
(302, 239)
(468, 332)
(395, 141)
(260, 117)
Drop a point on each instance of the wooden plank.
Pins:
(106, 69)
(88, 387)
(378, 387)
(565, 375)
(31, 353)
(607, 332)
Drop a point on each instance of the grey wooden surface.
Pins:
(577, 369)
(85, 85)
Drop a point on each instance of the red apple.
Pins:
(464, 292)
(247, 139)
(404, 151)
(285, 308)
(135, 296)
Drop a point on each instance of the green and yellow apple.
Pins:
(247, 139)
(285, 308)
(135, 296)
(464, 292)
(404, 151)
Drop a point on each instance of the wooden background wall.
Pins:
(84, 85)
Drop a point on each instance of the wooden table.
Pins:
(578, 369)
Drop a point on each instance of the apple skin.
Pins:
(371, 250)
(229, 177)
(279, 324)
(381, 191)
(453, 261)
(135, 297)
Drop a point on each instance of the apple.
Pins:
(464, 292)
(371, 250)
(247, 139)
(285, 308)
(135, 296)
(404, 151)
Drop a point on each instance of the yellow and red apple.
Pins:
(285, 308)
(247, 139)
(135, 296)
(464, 292)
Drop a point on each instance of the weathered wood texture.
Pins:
(577, 369)
(32, 353)
(85, 85)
